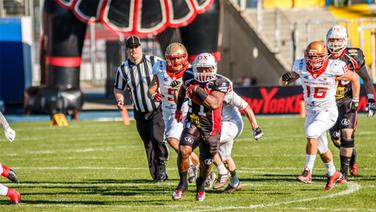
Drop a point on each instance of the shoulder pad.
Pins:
(357, 55)
(222, 84)
(188, 76)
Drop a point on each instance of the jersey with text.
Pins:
(354, 59)
(319, 87)
(199, 115)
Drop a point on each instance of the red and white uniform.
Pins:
(319, 96)
(172, 127)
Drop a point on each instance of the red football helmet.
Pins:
(316, 55)
(176, 58)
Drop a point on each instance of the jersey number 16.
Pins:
(318, 92)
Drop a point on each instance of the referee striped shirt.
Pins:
(136, 79)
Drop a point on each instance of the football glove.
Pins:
(191, 89)
(10, 134)
(257, 133)
(354, 105)
(287, 76)
(178, 115)
(371, 107)
(156, 97)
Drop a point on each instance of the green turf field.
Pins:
(101, 166)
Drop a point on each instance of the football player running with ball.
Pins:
(167, 79)
(10, 135)
(232, 127)
(205, 91)
(342, 134)
(319, 77)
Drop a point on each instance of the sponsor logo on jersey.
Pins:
(208, 162)
(189, 140)
(345, 122)
(352, 52)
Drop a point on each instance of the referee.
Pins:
(134, 75)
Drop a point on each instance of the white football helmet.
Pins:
(204, 67)
(336, 40)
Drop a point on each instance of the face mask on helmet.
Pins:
(336, 39)
(204, 67)
(176, 58)
(316, 55)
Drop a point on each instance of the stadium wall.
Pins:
(279, 100)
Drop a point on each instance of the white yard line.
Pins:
(351, 188)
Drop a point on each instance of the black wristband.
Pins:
(201, 94)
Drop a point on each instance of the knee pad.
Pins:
(213, 142)
(347, 142)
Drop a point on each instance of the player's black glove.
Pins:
(354, 105)
(371, 107)
(287, 76)
(175, 83)
(257, 133)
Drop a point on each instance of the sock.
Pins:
(222, 169)
(234, 179)
(310, 162)
(3, 190)
(353, 158)
(200, 184)
(331, 169)
(183, 184)
(4, 170)
(345, 163)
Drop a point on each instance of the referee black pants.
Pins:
(151, 128)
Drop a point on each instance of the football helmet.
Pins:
(336, 39)
(316, 55)
(204, 67)
(176, 58)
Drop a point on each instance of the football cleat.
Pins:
(200, 196)
(177, 195)
(332, 180)
(12, 176)
(342, 179)
(354, 170)
(230, 189)
(210, 180)
(15, 197)
(192, 173)
(221, 181)
(305, 177)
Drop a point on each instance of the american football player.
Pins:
(205, 92)
(342, 133)
(167, 79)
(319, 77)
(232, 127)
(14, 196)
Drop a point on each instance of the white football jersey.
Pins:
(172, 127)
(319, 88)
(167, 92)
